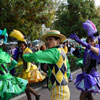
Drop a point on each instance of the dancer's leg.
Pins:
(28, 94)
(90, 96)
(83, 96)
(37, 95)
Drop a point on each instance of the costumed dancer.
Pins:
(30, 70)
(9, 85)
(89, 80)
(55, 57)
(20, 37)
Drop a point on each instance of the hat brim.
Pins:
(44, 37)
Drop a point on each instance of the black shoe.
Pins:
(38, 97)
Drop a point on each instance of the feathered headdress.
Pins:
(3, 33)
(18, 35)
(90, 28)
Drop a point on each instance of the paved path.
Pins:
(45, 93)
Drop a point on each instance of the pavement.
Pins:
(45, 93)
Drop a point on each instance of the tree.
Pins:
(26, 15)
(72, 14)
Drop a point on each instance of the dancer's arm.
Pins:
(13, 64)
(28, 67)
(95, 50)
(49, 56)
(92, 48)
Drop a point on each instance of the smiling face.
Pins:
(52, 42)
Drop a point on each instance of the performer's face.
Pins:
(52, 42)
(22, 46)
(91, 42)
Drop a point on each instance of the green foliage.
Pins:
(72, 61)
(26, 15)
(70, 16)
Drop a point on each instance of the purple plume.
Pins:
(89, 27)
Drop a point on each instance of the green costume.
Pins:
(9, 85)
(68, 68)
(56, 58)
(79, 62)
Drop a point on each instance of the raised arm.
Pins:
(92, 48)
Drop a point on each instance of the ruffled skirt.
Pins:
(11, 86)
(88, 82)
(33, 76)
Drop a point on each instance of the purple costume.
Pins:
(89, 79)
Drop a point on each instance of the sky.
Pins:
(97, 2)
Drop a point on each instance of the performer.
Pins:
(89, 80)
(55, 57)
(11, 86)
(30, 70)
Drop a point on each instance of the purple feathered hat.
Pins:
(90, 28)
